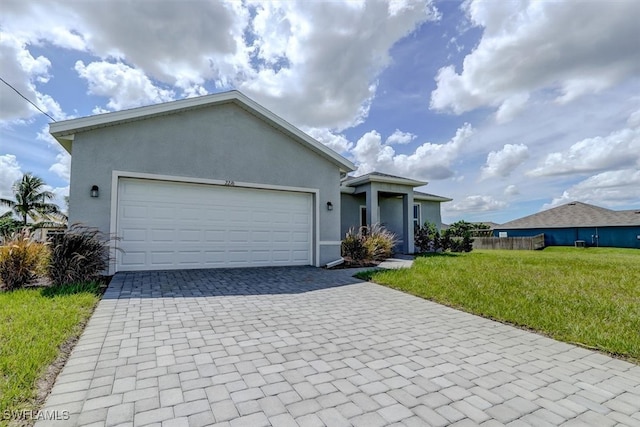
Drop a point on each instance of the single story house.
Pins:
(586, 224)
(220, 181)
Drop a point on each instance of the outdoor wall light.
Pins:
(95, 191)
(329, 206)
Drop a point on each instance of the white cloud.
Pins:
(316, 64)
(634, 120)
(511, 190)
(610, 188)
(319, 61)
(528, 46)
(10, 172)
(37, 21)
(125, 87)
(476, 203)
(399, 137)
(502, 163)
(335, 141)
(62, 166)
(511, 107)
(429, 161)
(618, 150)
(23, 71)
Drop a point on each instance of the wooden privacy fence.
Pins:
(513, 243)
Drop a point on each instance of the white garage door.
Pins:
(171, 225)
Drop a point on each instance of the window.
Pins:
(363, 216)
(417, 217)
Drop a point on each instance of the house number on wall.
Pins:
(229, 183)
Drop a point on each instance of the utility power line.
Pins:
(26, 99)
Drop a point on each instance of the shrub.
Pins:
(353, 245)
(379, 242)
(427, 238)
(368, 243)
(79, 254)
(22, 260)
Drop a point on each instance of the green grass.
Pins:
(34, 323)
(589, 297)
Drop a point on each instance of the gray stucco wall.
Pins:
(350, 212)
(391, 215)
(222, 142)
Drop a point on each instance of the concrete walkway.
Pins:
(310, 347)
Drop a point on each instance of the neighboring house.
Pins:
(207, 182)
(582, 222)
(398, 207)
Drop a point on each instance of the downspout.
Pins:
(335, 263)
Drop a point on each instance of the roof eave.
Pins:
(432, 198)
(517, 227)
(385, 179)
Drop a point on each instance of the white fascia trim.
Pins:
(116, 175)
(385, 179)
(431, 199)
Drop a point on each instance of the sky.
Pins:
(507, 107)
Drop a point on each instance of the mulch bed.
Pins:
(349, 263)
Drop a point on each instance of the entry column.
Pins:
(407, 223)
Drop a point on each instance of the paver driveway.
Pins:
(305, 346)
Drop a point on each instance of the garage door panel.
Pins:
(189, 235)
(238, 236)
(133, 212)
(281, 256)
(261, 256)
(166, 225)
(162, 235)
(160, 258)
(157, 211)
(134, 235)
(135, 259)
(190, 214)
(260, 236)
(215, 236)
(188, 258)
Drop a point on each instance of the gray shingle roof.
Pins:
(576, 214)
(351, 178)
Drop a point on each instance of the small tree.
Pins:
(459, 236)
(8, 226)
(32, 201)
(456, 238)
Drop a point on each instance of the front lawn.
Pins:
(34, 324)
(590, 297)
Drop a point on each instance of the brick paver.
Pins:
(306, 346)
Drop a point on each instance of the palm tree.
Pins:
(31, 201)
